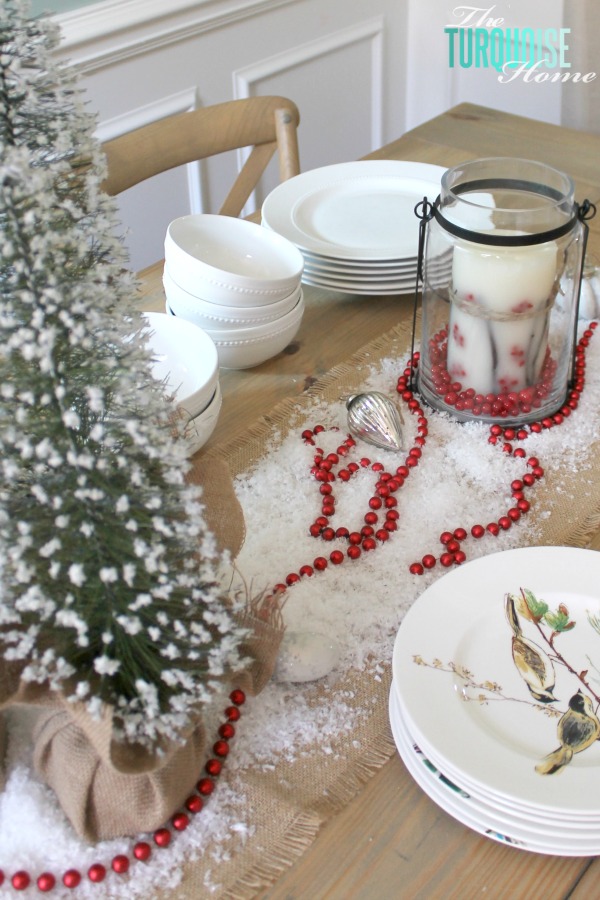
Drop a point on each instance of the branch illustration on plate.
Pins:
(578, 726)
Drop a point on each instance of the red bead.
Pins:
(328, 534)
(392, 514)
(194, 804)
(516, 485)
(460, 534)
(20, 880)
(120, 864)
(371, 518)
(446, 559)
(478, 531)
(162, 837)
(523, 505)
(205, 786)
(505, 522)
(428, 561)
(307, 435)
(375, 502)
(307, 571)
(1, 877)
(320, 563)
(314, 530)
(514, 514)
(97, 873)
(46, 882)
(529, 479)
(226, 731)
(221, 748)
(325, 489)
(415, 568)
(519, 452)
(460, 557)
(533, 461)
(493, 528)
(180, 821)
(143, 851)
(355, 537)
(445, 536)
(452, 546)
(369, 544)
(365, 462)
(233, 713)
(213, 767)
(390, 525)
(322, 521)
(336, 557)
(71, 878)
(292, 578)
(367, 531)
(382, 535)
(238, 697)
(353, 551)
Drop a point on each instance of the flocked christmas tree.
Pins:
(108, 587)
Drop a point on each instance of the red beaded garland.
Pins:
(162, 837)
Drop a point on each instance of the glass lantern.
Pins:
(501, 254)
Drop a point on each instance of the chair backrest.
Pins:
(266, 124)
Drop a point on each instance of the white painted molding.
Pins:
(97, 36)
(245, 79)
(143, 115)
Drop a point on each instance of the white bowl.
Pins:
(200, 428)
(214, 315)
(185, 359)
(231, 261)
(260, 329)
(237, 352)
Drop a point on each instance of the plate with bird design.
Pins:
(485, 817)
(497, 666)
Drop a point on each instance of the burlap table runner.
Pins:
(287, 807)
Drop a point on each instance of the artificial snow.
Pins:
(461, 480)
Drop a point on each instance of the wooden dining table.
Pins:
(391, 840)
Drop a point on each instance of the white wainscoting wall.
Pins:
(361, 72)
(342, 63)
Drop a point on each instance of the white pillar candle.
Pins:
(498, 332)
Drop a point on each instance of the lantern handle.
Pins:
(424, 210)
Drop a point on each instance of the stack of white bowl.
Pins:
(185, 361)
(238, 281)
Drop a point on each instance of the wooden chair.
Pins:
(265, 123)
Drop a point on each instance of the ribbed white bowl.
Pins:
(214, 315)
(231, 261)
(248, 347)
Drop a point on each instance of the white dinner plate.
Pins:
(357, 211)
(485, 818)
(371, 290)
(454, 669)
(551, 822)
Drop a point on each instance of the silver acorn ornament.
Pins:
(375, 419)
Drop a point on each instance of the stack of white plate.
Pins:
(355, 223)
(185, 362)
(238, 282)
(470, 728)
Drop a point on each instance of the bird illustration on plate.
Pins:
(532, 662)
(577, 730)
